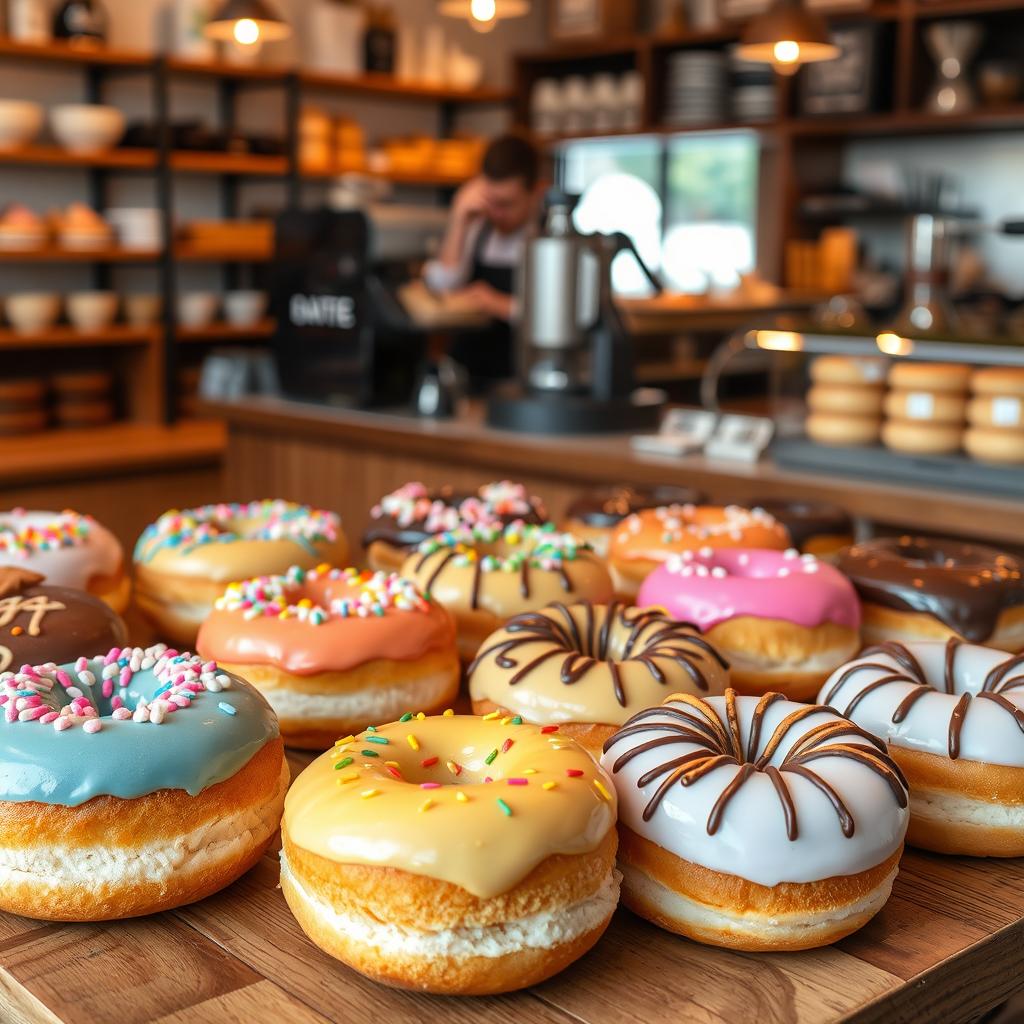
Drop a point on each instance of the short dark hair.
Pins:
(512, 156)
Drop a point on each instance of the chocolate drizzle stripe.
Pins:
(785, 799)
(737, 783)
(956, 725)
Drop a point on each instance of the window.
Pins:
(689, 202)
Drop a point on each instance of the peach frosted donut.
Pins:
(953, 715)
(648, 538)
(452, 854)
(69, 550)
(333, 650)
(784, 620)
(589, 667)
(185, 559)
(131, 782)
(754, 822)
(484, 575)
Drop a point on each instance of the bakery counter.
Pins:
(345, 460)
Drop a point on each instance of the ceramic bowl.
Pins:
(244, 308)
(92, 311)
(32, 312)
(197, 309)
(20, 122)
(86, 127)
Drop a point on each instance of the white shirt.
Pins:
(499, 251)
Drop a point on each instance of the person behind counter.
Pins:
(491, 218)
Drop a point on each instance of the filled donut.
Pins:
(185, 559)
(754, 822)
(783, 620)
(333, 650)
(452, 854)
(913, 588)
(485, 575)
(131, 782)
(69, 550)
(953, 715)
(590, 667)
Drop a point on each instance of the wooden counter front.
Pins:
(345, 460)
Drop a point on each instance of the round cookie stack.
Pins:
(925, 408)
(996, 415)
(845, 400)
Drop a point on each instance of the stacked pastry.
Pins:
(996, 415)
(845, 400)
(926, 407)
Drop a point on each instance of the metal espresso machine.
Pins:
(574, 359)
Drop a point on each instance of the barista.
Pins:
(492, 216)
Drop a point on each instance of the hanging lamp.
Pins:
(787, 36)
(247, 22)
(483, 15)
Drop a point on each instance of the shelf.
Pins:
(68, 337)
(185, 252)
(224, 332)
(245, 164)
(389, 86)
(53, 156)
(910, 123)
(222, 69)
(965, 8)
(65, 53)
(54, 254)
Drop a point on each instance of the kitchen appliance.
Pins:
(952, 45)
(574, 358)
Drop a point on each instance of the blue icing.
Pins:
(191, 749)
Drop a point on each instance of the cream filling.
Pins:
(950, 808)
(545, 930)
(203, 849)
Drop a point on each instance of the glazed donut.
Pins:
(589, 667)
(913, 588)
(102, 814)
(917, 438)
(845, 399)
(831, 428)
(484, 575)
(998, 380)
(814, 527)
(755, 823)
(456, 855)
(926, 406)
(992, 444)
(69, 550)
(185, 559)
(646, 539)
(403, 519)
(595, 515)
(858, 371)
(39, 622)
(333, 650)
(1006, 411)
(953, 715)
(783, 620)
(912, 376)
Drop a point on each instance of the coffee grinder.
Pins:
(574, 359)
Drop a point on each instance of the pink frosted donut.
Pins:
(784, 620)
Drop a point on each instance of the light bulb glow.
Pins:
(786, 51)
(483, 10)
(246, 31)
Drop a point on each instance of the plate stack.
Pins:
(754, 95)
(696, 88)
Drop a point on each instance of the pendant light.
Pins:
(787, 36)
(483, 15)
(247, 22)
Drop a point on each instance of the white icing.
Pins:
(71, 566)
(751, 841)
(989, 732)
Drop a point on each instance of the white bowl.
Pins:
(20, 122)
(197, 309)
(244, 308)
(92, 311)
(32, 312)
(143, 310)
(86, 127)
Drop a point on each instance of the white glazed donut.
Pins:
(953, 714)
(755, 823)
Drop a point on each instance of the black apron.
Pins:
(487, 354)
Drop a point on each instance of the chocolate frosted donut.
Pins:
(815, 527)
(40, 624)
(913, 588)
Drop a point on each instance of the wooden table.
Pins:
(948, 946)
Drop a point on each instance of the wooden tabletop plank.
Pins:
(263, 1001)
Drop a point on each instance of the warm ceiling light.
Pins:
(780, 341)
(891, 344)
(787, 36)
(247, 22)
(483, 15)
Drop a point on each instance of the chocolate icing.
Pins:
(607, 508)
(807, 519)
(39, 624)
(964, 586)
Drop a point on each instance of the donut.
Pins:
(484, 575)
(914, 376)
(834, 429)
(845, 399)
(452, 854)
(783, 620)
(755, 823)
(1006, 411)
(953, 716)
(403, 519)
(998, 380)
(69, 550)
(917, 438)
(994, 444)
(102, 814)
(814, 527)
(333, 650)
(913, 588)
(39, 622)
(926, 406)
(648, 538)
(590, 667)
(849, 370)
(185, 559)
(594, 515)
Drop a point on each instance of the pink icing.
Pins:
(708, 586)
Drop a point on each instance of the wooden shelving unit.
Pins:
(126, 159)
(221, 333)
(54, 254)
(117, 335)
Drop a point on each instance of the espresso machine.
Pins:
(574, 360)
